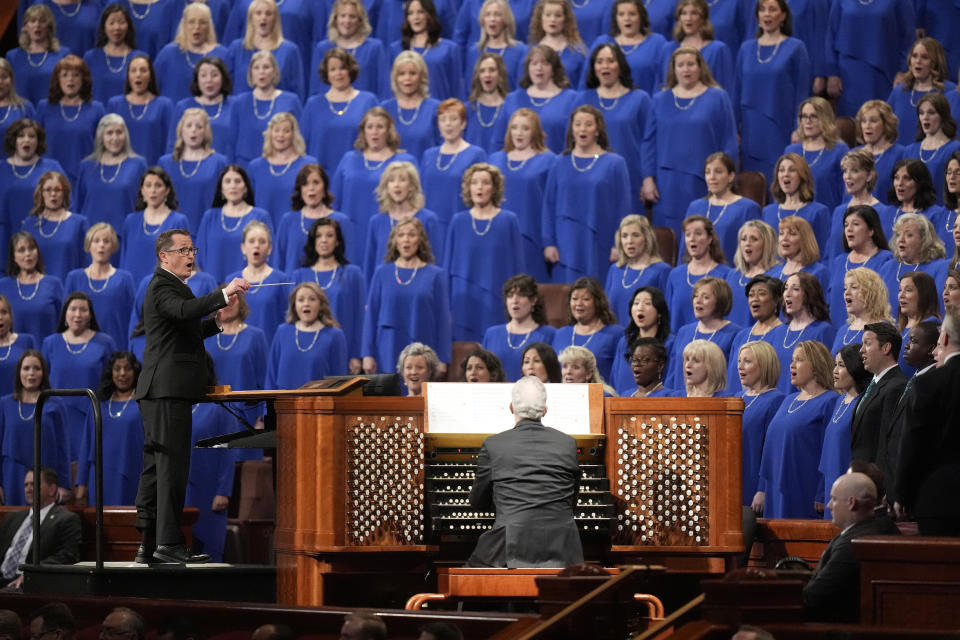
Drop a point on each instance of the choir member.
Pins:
(865, 301)
(638, 264)
(488, 91)
(821, 149)
(876, 127)
(154, 211)
(630, 29)
(12, 345)
(951, 289)
(864, 245)
(540, 360)
(149, 116)
(756, 255)
(706, 259)
(935, 143)
(553, 24)
(527, 324)
(647, 362)
(916, 247)
(349, 28)
(859, 179)
(807, 317)
(275, 172)
(34, 296)
(416, 364)
(39, 52)
(799, 252)
(704, 369)
(692, 29)
(420, 33)
(298, 23)
(253, 109)
(210, 482)
(926, 73)
(155, 22)
(481, 365)
(57, 230)
(649, 318)
(589, 316)
(195, 39)
(76, 22)
(711, 299)
(265, 304)
(758, 370)
(497, 35)
(211, 87)
(411, 106)
(579, 366)
(310, 201)
(793, 195)
(116, 45)
(264, 32)
(719, 173)
(14, 106)
(472, 21)
(764, 295)
(917, 302)
(947, 225)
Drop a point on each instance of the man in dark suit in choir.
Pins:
(833, 592)
(530, 476)
(59, 530)
(880, 350)
(928, 478)
(173, 378)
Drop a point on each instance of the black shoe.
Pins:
(178, 553)
(145, 555)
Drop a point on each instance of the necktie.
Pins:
(10, 563)
(907, 388)
(866, 394)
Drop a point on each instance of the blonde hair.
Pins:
(712, 356)
(256, 57)
(825, 116)
(876, 298)
(496, 198)
(299, 144)
(509, 23)
(538, 141)
(809, 249)
(325, 315)
(769, 236)
(256, 224)
(43, 12)
(415, 198)
(365, 29)
(931, 246)
(585, 357)
(109, 120)
(13, 96)
(97, 228)
(424, 252)
(276, 37)
(706, 29)
(411, 57)
(890, 120)
(195, 7)
(192, 112)
(863, 160)
(706, 77)
(393, 136)
(821, 361)
(767, 361)
(650, 246)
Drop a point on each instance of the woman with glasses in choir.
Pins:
(756, 255)
(195, 40)
(486, 117)
(116, 45)
(864, 245)
(264, 32)
(590, 320)
(497, 35)
(706, 259)
(821, 149)
(937, 130)
(793, 195)
(807, 318)
(274, 173)
(757, 370)
(704, 370)
(722, 206)
(265, 303)
(310, 202)
(630, 30)
(711, 300)
(876, 127)
(211, 90)
(12, 345)
(764, 295)
(865, 301)
(638, 264)
(14, 106)
(411, 106)
(859, 179)
(416, 364)
(916, 247)
(349, 28)
(35, 297)
(649, 318)
(149, 116)
(692, 29)
(540, 360)
(421, 33)
(39, 53)
(527, 322)
(154, 211)
(926, 73)
(947, 225)
(647, 362)
(253, 109)
(57, 230)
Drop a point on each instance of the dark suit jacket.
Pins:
(530, 475)
(833, 592)
(931, 443)
(59, 535)
(872, 418)
(888, 447)
(174, 365)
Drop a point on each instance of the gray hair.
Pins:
(99, 148)
(951, 324)
(529, 398)
(419, 349)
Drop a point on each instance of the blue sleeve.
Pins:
(830, 66)
(548, 221)
(273, 363)
(649, 157)
(801, 71)
(354, 316)
(441, 294)
(370, 314)
(86, 455)
(729, 132)
(465, 18)
(723, 69)
(293, 72)
(338, 353)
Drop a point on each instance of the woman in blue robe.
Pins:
(474, 235)
(526, 163)
(926, 73)
(935, 142)
(411, 107)
(110, 289)
(587, 192)
(33, 62)
(69, 115)
(862, 68)
(806, 317)
(59, 232)
(692, 28)
(793, 195)
(822, 150)
(773, 76)
(790, 485)
(211, 90)
(648, 317)
(421, 32)
(625, 112)
(859, 178)
(265, 33)
(553, 24)
(407, 301)
(630, 29)
(177, 61)
(699, 118)
(154, 211)
(310, 201)
(115, 47)
(706, 259)
(358, 175)
(876, 127)
(274, 173)
(254, 109)
(765, 295)
(864, 301)
(12, 346)
(526, 325)
(590, 317)
(916, 247)
(107, 186)
(220, 233)
(724, 208)
(917, 301)
(310, 345)
(799, 252)
(123, 436)
(211, 479)
(149, 116)
(155, 22)
(486, 117)
(326, 266)
(76, 22)
(34, 296)
(265, 304)
(469, 27)
(497, 35)
(349, 29)
(17, 416)
(711, 299)
(864, 245)
(330, 119)
(756, 254)
(638, 265)
(297, 17)
(14, 107)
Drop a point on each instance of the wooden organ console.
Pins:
(364, 485)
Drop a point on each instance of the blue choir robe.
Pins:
(602, 344)
(200, 283)
(828, 188)
(211, 475)
(730, 20)
(137, 249)
(345, 288)
(76, 367)
(442, 175)
(809, 18)
(940, 19)
(16, 436)
(524, 190)
(718, 56)
(273, 183)
(17, 185)
(816, 330)
(296, 17)
(509, 347)
(219, 238)
(953, 98)
(123, 438)
(883, 164)
(789, 476)
(625, 118)
(679, 292)
(195, 184)
(223, 123)
(554, 114)
(290, 238)
(933, 213)
(109, 73)
(944, 223)
(444, 64)
(593, 19)
(289, 61)
(839, 267)
(893, 270)
(378, 231)
(76, 24)
(661, 13)
(149, 124)
(867, 65)
(936, 161)
(251, 117)
(845, 336)
(240, 361)
(268, 305)
(816, 213)
(8, 360)
(476, 278)
(12, 113)
(816, 269)
(404, 306)
(740, 311)
(622, 281)
(330, 128)
(512, 56)
(834, 245)
(36, 307)
(722, 337)
(903, 101)
(467, 27)
(155, 23)
(771, 82)
(70, 131)
(483, 123)
(727, 220)
(297, 357)
(174, 68)
(581, 212)
(621, 373)
(417, 127)
(697, 128)
(32, 74)
(137, 346)
(835, 454)
(734, 387)
(112, 300)
(574, 60)
(758, 410)
(107, 192)
(371, 55)
(353, 185)
(60, 243)
(391, 17)
(644, 60)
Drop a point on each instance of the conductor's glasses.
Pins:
(184, 251)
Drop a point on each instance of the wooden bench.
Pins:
(778, 539)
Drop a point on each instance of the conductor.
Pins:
(173, 378)
(529, 474)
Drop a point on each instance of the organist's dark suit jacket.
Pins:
(529, 474)
(872, 415)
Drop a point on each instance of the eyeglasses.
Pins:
(953, 173)
(642, 362)
(52, 189)
(809, 116)
(184, 251)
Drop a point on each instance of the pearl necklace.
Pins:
(143, 113)
(123, 62)
(38, 64)
(55, 228)
(473, 223)
(790, 408)
(232, 342)
(846, 332)
(316, 278)
(20, 411)
(533, 101)
(149, 233)
(612, 106)
(573, 161)
(13, 168)
(416, 114)
(815, 160)
(296, 339)
(702, 275)
(522, 342)
(676, 102)
(63, 114)
(720, 215)
(369, 167)
(285, 169)
(708, 338)
(206, 107)
(90, 282)
(930, 159)
(145, 13)
(573, 338)
(623, 276)
(837, 416)
(787, 333)
(122, 409)
(440, 154)
(493, 120)
(116, 174)
(35, 290)
(772, 55)
(10, 349)
(273, 100)
(750, 404)
(223, 222)
(195, 169)
(396, 274)
(519, 166)
(70, 349)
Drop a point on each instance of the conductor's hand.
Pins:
(236, 286)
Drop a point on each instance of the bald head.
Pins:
(852, 499)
